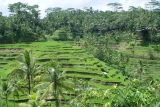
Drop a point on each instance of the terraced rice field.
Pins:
(151, 67)
(74, 60)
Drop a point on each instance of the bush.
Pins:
(62, 34)
(131, 95)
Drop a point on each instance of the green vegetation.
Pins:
(74, 60)
(80, 58)
(117, 96)
(24, 23)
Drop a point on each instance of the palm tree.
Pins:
(152, 27)
(9, 87)
(53, 83)
(27, 68)
(16, 88)
(78, 86)
(6, 89)
(116, 6)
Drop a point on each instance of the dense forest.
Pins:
(80, 57)
(25, 25)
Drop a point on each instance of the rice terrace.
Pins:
(80, 57)
(74, 60)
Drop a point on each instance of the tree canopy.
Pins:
(25, 25)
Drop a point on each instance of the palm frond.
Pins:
(49, 89)
(63, 73)
(15, 93)
(68, 86)
(18, 72)
(61, 94)
(42, 85)
(26, 56)
(45, 78)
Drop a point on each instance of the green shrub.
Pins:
(117, 96)
(62, 33)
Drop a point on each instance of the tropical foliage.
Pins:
(118, 96)
(24, 23)
(66, 75)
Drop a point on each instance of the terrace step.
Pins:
(97, 71)
(97, 78)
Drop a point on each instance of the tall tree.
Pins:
(53, 83)
(26, 21)
(27, 68)
(116, 6)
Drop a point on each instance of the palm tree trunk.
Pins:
(57, 102)
(7, 100)
(56, 97)
(56, 94)
(29, 84)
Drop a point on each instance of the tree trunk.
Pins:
(55, 88)
(7, 100)
(29, 84)
(56, 98)
(57, 102)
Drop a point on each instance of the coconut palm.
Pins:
(53, 83)
(27, 69)
(6, 89)
(16, 89)
(10, 87)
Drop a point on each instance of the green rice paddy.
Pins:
(74, 60)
